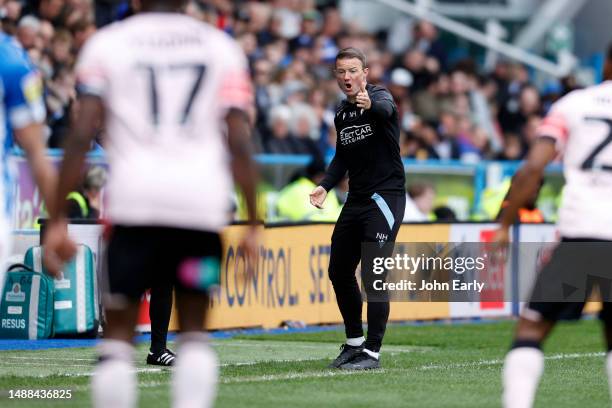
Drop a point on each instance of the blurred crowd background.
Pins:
(450, 107)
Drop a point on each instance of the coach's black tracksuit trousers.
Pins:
(370, 219)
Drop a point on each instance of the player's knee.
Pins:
(531, 333)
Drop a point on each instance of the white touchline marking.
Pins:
(21, 363)
(313, 345)
(89, 374)
(251, 363)
(42, 364)
(50, 358)
(561, 356)
(320, 374)
(296, 376)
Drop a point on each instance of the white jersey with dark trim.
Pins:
(581, 124)
(166, 81)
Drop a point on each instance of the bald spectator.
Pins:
(281, 140)
(28, 30)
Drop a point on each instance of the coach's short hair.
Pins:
(352, 52)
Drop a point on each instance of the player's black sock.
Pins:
(378, 314)
(604, 315)
(526, 343)
(159, 313)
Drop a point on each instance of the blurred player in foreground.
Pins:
(368, 148)
(22, 114)
(173, 92)
(579, 126)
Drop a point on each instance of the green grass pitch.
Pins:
(456, 365)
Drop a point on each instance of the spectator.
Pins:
(291, 204)
(87, 201)
(515, 115)
(282, 141)
(28, 31)
(444, 214)
(419, 202)
(426, 40)
(514, 148)
(291, 46)
(81, 31)
(61, 49)
(52, 11)
(46, 33)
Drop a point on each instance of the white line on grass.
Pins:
(295, 376)
(252, 363)
(89, 374)
(22, 363)
(480, 363)
(311, 345)
(326, 373)
(49, 358)
(313, 374)
(138, 370)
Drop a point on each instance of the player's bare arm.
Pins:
(30, 140)
(526, 182)
(244, 170)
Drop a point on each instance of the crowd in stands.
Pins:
(449, 108)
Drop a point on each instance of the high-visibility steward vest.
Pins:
(78, 197)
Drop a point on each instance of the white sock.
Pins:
(355, 341)
(114, 382)
(372, 353)
(194, 381)
(609, 370)
(523, 368)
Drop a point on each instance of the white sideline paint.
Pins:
(307, 374)
(481, 363)
(93, 360)
(89, 374)
(50, 358)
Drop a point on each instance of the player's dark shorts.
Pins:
(138, 258)
(577, 267)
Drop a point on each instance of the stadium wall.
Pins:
(289, 282)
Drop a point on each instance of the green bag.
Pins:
(26, 307)
(76, 306)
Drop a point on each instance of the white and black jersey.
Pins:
(167, 81)
(581, 125)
